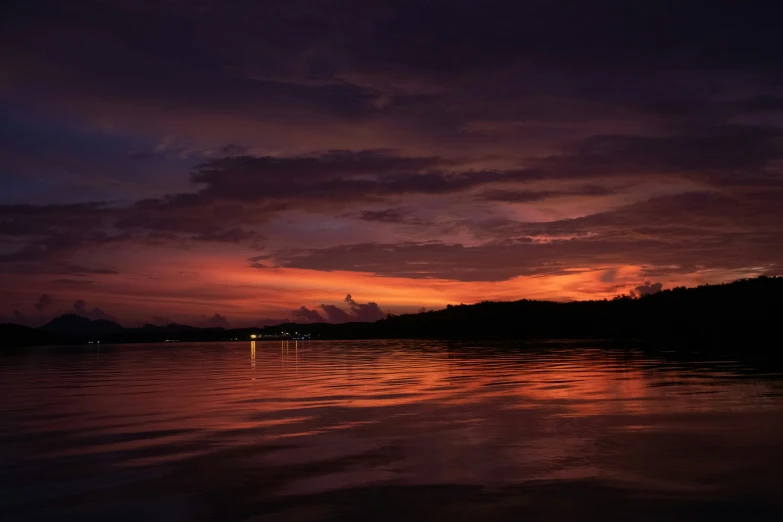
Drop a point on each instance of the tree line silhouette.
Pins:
(746, 311)
(744, 308)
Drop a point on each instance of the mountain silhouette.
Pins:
(72, 323)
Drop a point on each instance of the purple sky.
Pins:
(240, 162)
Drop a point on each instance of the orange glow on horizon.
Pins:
(193, 286)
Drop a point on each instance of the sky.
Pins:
(241, 163)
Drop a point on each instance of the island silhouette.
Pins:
(744, 313)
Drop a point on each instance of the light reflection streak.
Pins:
(253, 355)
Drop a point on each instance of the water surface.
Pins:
(386, 430)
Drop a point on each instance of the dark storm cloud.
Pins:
(43, 303)
(215, 321)
(647, 288)
(335, 314)
(311, 316)
(236, 193)
(529, 196)
(219, 174)
(241, 189)
(72, 282)
(270, 183)
(399, 216)
(388, 215)
(699, 153)
(690, 216)
(363, 312)
(49, 234)
(723, 155)
(80, 308)
(690, 231)
(51, 266)
(30, 219)
(424, 260)
(443, 67)
(312, 42)
(233, 235)
(334, 174)
(570, 99)
(761, 103)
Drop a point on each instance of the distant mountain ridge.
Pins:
(732, 312)
(72, 323)
(76, 329)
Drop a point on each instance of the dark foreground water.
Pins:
(392, 430)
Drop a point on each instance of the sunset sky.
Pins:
(237, 163)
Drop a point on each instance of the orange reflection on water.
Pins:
(253, 355)
(425, 411)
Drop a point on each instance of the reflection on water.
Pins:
(386, 430)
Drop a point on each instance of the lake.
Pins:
(386, 430)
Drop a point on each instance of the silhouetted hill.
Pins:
(68, 323)
(75, 329)
(746, 309)
(72, 323)
(17, 335)
(746, 312)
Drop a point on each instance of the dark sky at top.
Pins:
(231, 162)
